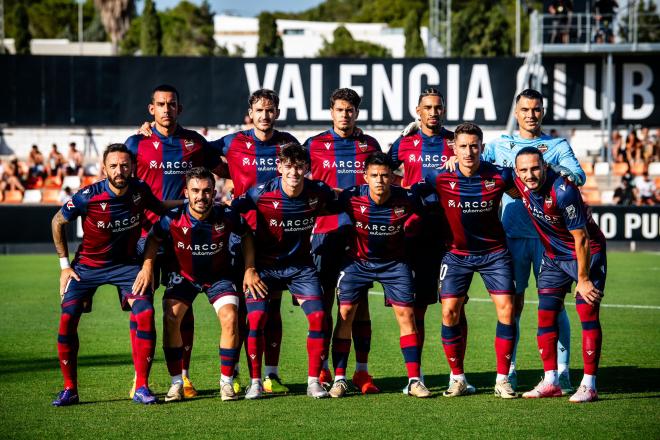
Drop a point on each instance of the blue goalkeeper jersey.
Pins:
(502, 151)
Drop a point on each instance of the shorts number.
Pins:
(443, 271)
(175, 278)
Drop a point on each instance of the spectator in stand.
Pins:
(633, 147)
(561, 11)
(55, 162)
(12, 176)
(646, 190)
(619, 152)
(36, 163)
(655, 138)
(648, 145)
(626, 193)
(554, 133)
(604, 11)
(74, 161)
(65, 195)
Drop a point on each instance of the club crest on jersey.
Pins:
(156, 144)
(188, 143)
(452, 185)
(103, 205)
(313, 201)
(276, 204)
(450, 143)
(416, 142)
(399, 211)
(543, 148)
(219, 227)
(185, 230)
(489, 184)
(363, 146)
(327, 145)
(248, 145)
(362, 209)
(136, 198)
(548, 201)
(70, 204)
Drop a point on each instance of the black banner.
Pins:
(626, 223)
(110, 91)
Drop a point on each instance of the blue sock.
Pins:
(515, 344)
(564, 343)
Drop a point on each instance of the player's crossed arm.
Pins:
(59, 238)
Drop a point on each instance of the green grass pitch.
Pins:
(629, 379)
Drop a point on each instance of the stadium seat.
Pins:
(587, 167)
(53, 182)
(88, 180)
(620, 168)
(637, 168)
(590, 182)
(591, 196)
(51, 195)
(607, 197)
(32, 196)
(13, 196)
(72, 182)
(657, 182)
(602, 169)
(654, 169)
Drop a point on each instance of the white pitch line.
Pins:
(613, 306)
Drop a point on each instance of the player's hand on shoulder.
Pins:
(253, 284)
(564, 172)
(411, 128)
(65, 276)
(145, 128)
(450, 164)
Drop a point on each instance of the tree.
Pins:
(344, 45)
(22, 35)
(649, 23)
(480, 29)
(188, 30)
(150, 31)
(414, 45)
(131, 41)
(116, 18)
(270, 43)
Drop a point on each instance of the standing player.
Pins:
(198, 235)
(337, 158)
(522, 240)
(470, 197)
(419, 153)
(286, 208)
(376, 253)
(164, 153)
(112, 211)
(574, 251)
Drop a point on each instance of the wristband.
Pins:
(64, 263)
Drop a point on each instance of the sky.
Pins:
(249, 8)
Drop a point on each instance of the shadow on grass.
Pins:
(9, 366)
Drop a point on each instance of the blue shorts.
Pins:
(120, 275)
(495, 269)
(425, 263)
(328, 252)
(356, 276)
(186, 291)
(237, 261)
(527, 254)
(558, 275)
(300, 279)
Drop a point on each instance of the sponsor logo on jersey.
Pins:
(313, 201)
(363, 146)
(204, 247)
(188, 143)
(477, 204)
(120, 225)
(276, 204)
(103, 205)
(185, 230)
(489, 184)
(170, 166)
(156, 144)
(543, 148)
(260, 161)
(344, 164)
(70, 204)
(136, 198)
(548, 201)
(298, 224)
(430, 159)
(399, 211)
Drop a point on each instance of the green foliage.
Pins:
(22, 35)
(150, 31)
(649, 23)
(480, 29)
(414, 45)
(344, 45)
(270, 43)
(131, 41)
(188, 30)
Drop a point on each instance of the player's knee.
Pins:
(73, 308)
(450, 315)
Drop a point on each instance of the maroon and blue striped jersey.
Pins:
(162, 162)
(284, 224)
(420, 154)
(471, 207)
(250, 160)
(556, 209)
(378, 233)
(110, 223)
(339, 162)
(201, 247)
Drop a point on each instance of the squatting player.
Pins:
(470, 197)
(574, 251)
(112, 211)
(419, 153)
(197, 233)
(523, 242)
(164, 152)
(337, 158)
(286, 208)
(376, 252)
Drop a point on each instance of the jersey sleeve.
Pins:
(246, 202)
(75, 207)
(151, 202)
(572, 206)
(567, 159)
(161, 229)
(393, 153)
(132, 144)
(238, 223)
(508, 177)
(218, 146)
(488, 155)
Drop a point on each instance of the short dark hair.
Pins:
(378, 158)
(529, 94)
(266, 94)
(431, 91)
(165, 88)
(469, 128)
(530, 151)
(200, 173)
(345, 94)
(293, 153)
(117, 148)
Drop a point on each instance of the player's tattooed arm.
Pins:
(145, 278)
(252, 282)
(584, 287)
(59, 238)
